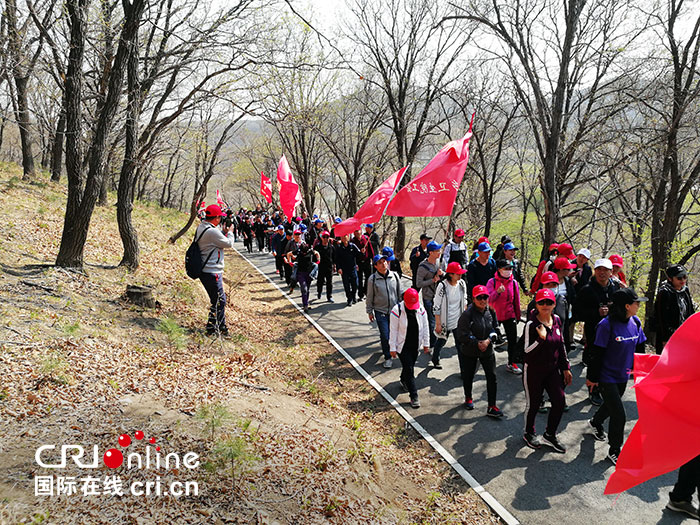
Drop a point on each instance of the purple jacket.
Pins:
(545, 353)
(507, 303)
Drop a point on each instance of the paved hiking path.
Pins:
(536, 486)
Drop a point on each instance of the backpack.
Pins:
(193, 257)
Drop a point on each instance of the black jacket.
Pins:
(588, 301)
(474, 326)
(667, 311)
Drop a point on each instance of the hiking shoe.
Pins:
(349, 302)
(415, 403)
(566, 406)
(598, 432)
(684, 506)
(532, 440)
(543, 409)
(468, 403)
(494, 411)
(552, 441)
(331, 300)
(318, 296)
(514, 369)
(612, 456)
(436, 364)
(595, 398)
(306, 309)
(354, 301)
(387, 363)
(403, 386)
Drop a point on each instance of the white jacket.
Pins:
(398, 324)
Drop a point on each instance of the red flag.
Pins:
(669, 417)
(290, 195)
(219, 200)
(433, 191)
(373, 208)
(265, 187)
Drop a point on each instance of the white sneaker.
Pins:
(387, 363)
(514, 369)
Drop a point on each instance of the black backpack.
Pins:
(193, 257)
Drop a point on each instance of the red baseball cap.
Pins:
(562, 263)
(326, 234)
(483, 239)
(617, 260)
(549, 277)
(545, 293)
(297, 232)
(553, 248)
(479, 289)
(460, 233)
(214, 210)
(411, 299)
(566, 250)
(455, 267)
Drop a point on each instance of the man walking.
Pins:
(427, 276)
(418, 255)
(326, 266)
(383, 293)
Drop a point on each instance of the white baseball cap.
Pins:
(605, 263)
(585, 252)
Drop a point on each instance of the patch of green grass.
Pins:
(326, 456)
(174, 332)
(185, 291)
(12, 183)
(71, 329)
(113, 383)
(54, 367)
(214, 417)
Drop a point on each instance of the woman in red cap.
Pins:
(449, 303)
(618, 275)
(544, 266)
(408, 330)
(476, 333)
(504, 297)
(545, 364)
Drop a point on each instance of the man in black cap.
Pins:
(418, 255)
(673, 304)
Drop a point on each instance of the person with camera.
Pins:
(476, 333)
(212, 240)
(546, 368)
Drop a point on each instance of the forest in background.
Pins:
(586, 126)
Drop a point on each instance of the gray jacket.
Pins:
(213, 242)
(424, 279)
(383, 292)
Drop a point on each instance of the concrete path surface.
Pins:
(536, 486)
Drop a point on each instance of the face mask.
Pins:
(552, 257)
(505, 273)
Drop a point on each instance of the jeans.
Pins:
(428, 305)
(350, 283)
(613, 408)
(325, 277)
(214, 285)
(536, 381)
(408, 362)
(383, 325)
(467, 366)
(509, 326)
(688, 482)
(304, 280)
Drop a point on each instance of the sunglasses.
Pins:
(546, 302)
(482, 297)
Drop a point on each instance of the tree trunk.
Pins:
(125, 191)
(81, 204)
(57, 147)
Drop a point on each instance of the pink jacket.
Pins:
(506, 304)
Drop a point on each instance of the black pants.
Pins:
(613, 408)
(363, 273)
(214, 285)
(325, 277)
(467, 366)
(408, 362)
(261, 242)
(510, 328)
(688, 482)
(536, 381)
(248, 243)
(350, 283)
(279, 264)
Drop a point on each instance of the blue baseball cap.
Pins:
(338, 219)
(484, 247)
(302, 227)
(433, 247)
(377, 258)
(318, 221)
(369, 225)
(280, 227)
(509, 246)
(315, 216)
(388, 253)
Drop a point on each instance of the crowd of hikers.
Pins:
(473, 293)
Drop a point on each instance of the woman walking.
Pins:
(475, 334)
(546, 363)
(617, 337)
(305, 258)
(449, 302)
(504, 297)
(407, 333)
